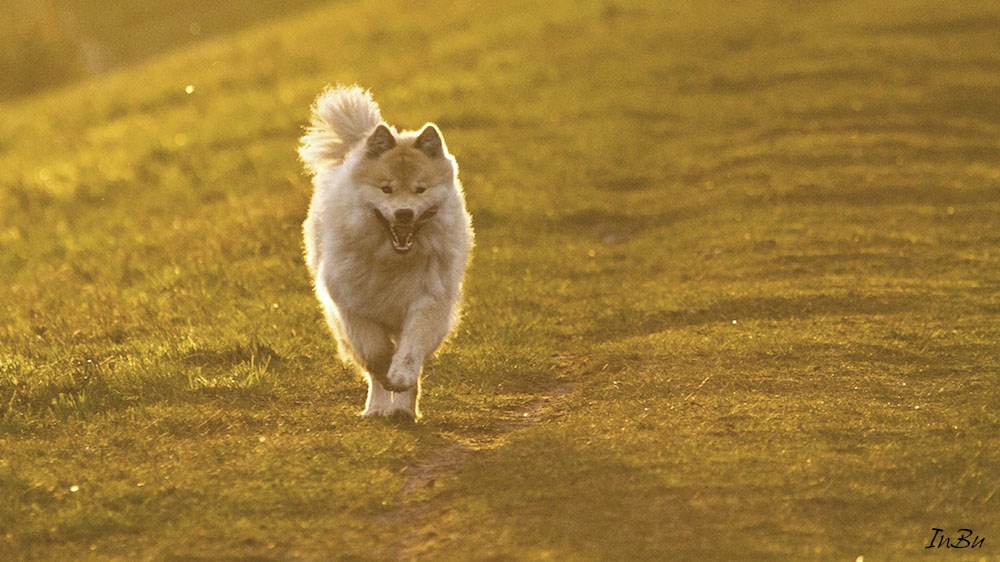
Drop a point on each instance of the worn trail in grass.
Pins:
(735, 292)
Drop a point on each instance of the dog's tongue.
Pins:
(402, 237)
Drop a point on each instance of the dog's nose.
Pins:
(404, 216)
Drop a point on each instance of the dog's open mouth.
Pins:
(401, 233)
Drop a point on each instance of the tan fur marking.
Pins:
(404, 167)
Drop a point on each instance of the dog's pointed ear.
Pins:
(429, 142)
(379, 141)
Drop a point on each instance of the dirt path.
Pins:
(456, 453)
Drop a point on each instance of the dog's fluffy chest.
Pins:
(384, 287)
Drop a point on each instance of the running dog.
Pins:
(387, 242)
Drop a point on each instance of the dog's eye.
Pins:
(386, 189)
(420, 190)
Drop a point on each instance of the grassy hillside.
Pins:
(46, 43)
(735, 293)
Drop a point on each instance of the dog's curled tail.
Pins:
(341, 118)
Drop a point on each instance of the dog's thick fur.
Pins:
(387, 240)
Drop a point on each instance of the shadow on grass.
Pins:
(612, 226)
(886, 194)
(631, 323)
(602, 225)
(553, 495)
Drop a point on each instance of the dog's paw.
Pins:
(394, 415)
(401, 378)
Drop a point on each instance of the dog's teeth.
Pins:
(402, 237)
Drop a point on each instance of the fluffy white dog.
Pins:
(387, 241)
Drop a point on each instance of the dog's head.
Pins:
(408, 178)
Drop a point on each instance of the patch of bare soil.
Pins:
(457, 452)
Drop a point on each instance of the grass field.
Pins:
(735, 296)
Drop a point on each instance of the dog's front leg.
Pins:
(368, 345)
(424, 329)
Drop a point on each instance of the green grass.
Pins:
(735, 293)
(47, 43)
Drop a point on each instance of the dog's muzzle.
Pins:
(401, 233)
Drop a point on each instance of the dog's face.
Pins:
(406, 181)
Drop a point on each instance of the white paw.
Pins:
(401, 377)
(394, 413)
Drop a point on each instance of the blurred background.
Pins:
(46, 43)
